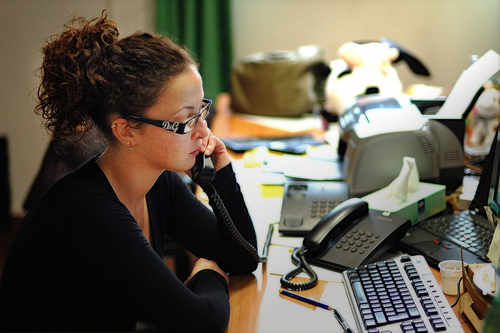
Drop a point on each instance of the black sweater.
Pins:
(80, 261)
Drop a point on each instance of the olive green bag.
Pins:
(286, 83)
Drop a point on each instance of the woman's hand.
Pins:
(202, 264)
(216, 149)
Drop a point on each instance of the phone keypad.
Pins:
(321, 207)
(357, 241)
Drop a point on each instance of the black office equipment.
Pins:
(398, 295)
(441, 237)
(346, 237)
(377, 131)
(305, 202)
(352, 235)
(296, 144)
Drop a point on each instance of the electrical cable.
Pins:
(458, 292)
(298, 258)
(223, 215)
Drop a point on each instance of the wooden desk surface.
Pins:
(256, 305)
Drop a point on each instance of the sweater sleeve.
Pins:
(199, 230)
(119, 252)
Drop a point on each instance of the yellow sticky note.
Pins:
(271, 191)
(253, 158)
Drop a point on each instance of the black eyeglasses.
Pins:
(173, 126)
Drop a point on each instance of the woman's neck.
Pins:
(127, 174)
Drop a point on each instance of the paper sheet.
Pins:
(467, 85)
(294, 125)
(282, 314)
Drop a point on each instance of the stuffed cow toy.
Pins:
(366, 67)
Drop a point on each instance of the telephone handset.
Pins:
(203, 173)
(336, 219)
(203, 170)
(348, 236)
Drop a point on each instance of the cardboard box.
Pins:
(427, 201)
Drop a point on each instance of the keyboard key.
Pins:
(363, 306)
(407, 328)
(358, 292)
(366, 312)
(439, 327)
(380, 318)
(370, 323)
(367, 316)
(405, 259)
(413, 312)
(431, 311)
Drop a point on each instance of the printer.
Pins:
(377, 131)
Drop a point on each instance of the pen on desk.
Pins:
(342, 321)
(265, 249)
(337, 314)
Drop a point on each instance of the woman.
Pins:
(89, 256)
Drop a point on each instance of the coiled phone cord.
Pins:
(298, 258)
(223, 215)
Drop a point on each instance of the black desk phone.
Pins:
(203, 173)
(348, 236)
(305, 202)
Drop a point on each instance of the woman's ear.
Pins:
(123, 132)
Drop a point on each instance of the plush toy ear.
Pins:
(412, 61)
(350, 52)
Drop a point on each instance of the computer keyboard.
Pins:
(466, 229)
(398, 295)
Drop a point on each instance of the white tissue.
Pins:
(406, 182)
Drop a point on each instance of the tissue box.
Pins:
(427, 201)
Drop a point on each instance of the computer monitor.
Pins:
(494, 191)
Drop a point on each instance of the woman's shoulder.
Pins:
(82, 194)
(86, 181)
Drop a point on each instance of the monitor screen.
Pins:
(494, 193)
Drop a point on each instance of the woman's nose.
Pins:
(201, 129)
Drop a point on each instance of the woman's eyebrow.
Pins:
(184, 107)
(185, 111)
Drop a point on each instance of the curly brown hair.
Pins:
(88, 74)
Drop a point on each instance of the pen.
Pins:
(265, 249)
(337, 314)
(342, 321)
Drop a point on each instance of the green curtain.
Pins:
(204, 28)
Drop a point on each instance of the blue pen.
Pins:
(337, 314)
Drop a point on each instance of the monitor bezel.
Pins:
(494, 192)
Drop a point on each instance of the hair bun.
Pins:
(73, 72)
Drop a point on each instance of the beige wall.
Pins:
(443, 33)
